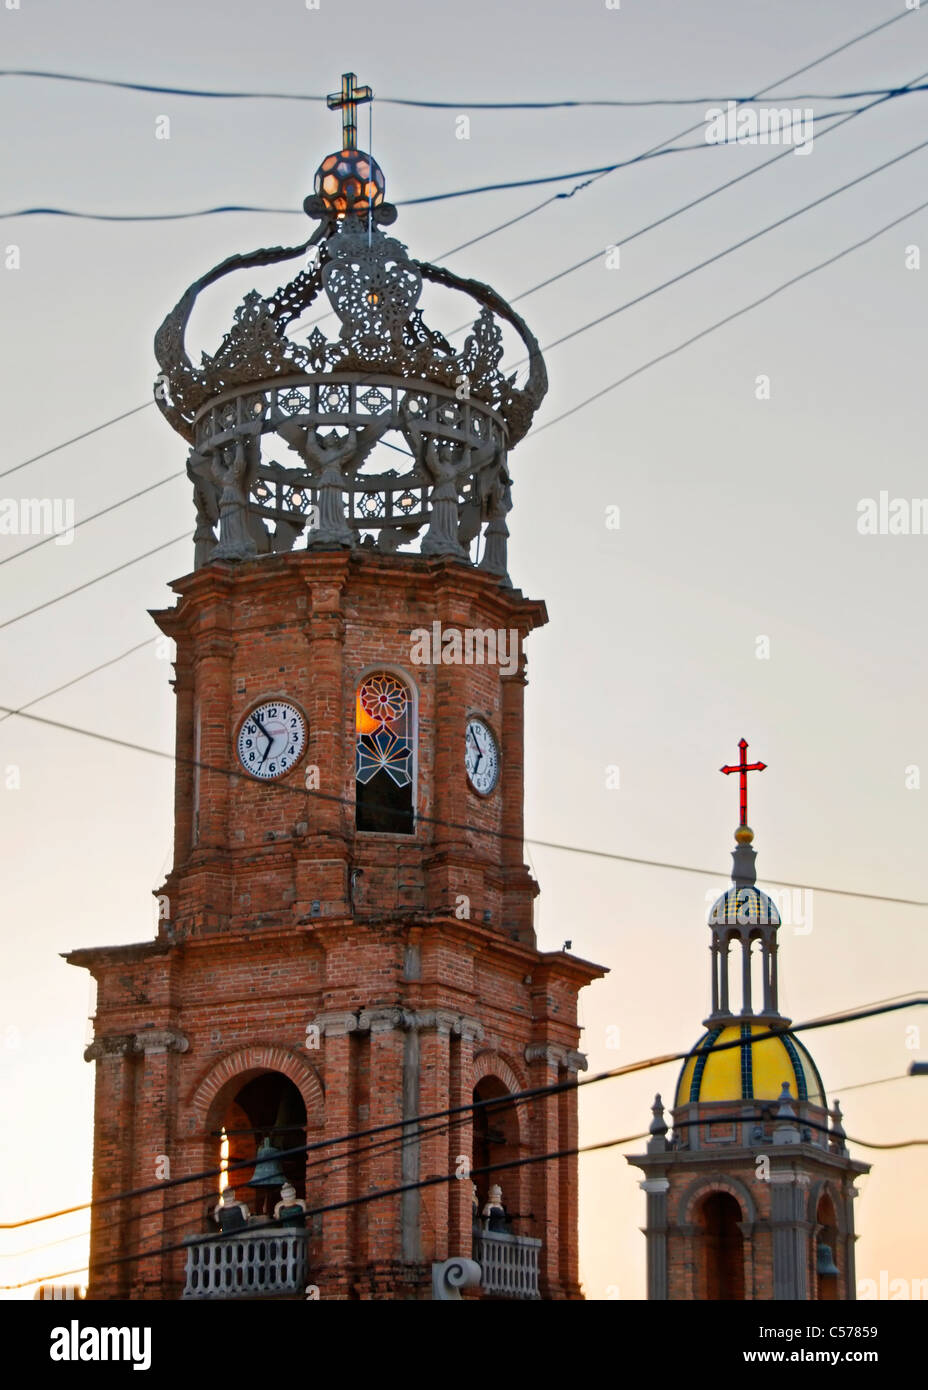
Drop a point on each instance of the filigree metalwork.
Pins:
(387, 377)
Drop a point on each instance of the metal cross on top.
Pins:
(347, 101)
(743, 768)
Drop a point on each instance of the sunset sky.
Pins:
(738, 515)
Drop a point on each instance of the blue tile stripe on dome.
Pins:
(701, 1060)
(747, 1063)
(802, 1089)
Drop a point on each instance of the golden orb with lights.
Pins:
(350, 182)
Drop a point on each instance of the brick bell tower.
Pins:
(752, 1195)
(345, 938)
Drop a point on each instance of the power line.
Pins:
(82, 677)
(39, 607)
(719, 255)
(96, 515)
(76, 437)
(564, 103)
(726, 251)
(505, 186)
(279, 787)
(381, 1194)
(797, 72)
(612, 313)
(380, 1150)
(729, 318)
(550, 280)
(513, 1097)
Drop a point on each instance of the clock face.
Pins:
(271, 740)
(481, 757)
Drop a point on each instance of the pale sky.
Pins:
(738, 514)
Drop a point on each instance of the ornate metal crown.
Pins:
(331, 402)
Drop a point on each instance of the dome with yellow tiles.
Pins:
(748, 1070)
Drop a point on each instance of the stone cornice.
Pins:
(725, 1157)
(338, 1022)
(149, 1040)
(556, 1055)
(89, 956)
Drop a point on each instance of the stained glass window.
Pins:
(384, 754)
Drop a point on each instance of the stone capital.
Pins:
(337, 1023)
(113, 1045)
(789, 1178)
(655, 1185)
(552, 1053)
(153, 1040)
(385, 1020)
(443, 1021)
(469, 1029)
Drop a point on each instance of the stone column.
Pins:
(112, 1230)
(656, 1235)
(155, 1159)
(520, 890)
(460, 1138)
(790, 1228)
(337, 1181)
(322, 867)
(386, 1217)
(568, 1178)
(185, 774)
(544, 1061)
(213, 681)
(436, 1157)
(442, 799)
(850, 1243)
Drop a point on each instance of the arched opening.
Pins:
(826, 1250)
(723, 1247)
(384, 755)
(266, 1111)
(496, 1141)
(759, 986)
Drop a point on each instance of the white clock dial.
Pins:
(481, 757)
(271, 740)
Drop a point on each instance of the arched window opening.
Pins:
(496, 1141)
(266, 1113)
(826, 1250)
(723, 1247)
(759, 989)
(384, 755)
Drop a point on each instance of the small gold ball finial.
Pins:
(744, 835)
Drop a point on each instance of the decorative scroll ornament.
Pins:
(272, 387)
(373, 288)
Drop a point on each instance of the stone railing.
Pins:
(246, 1264)
(508, 1264)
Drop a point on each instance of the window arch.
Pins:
(385, 754)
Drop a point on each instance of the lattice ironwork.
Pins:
(386, 377)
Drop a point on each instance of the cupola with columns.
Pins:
(750, 1187)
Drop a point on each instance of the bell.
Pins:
(268, 1172)
(826, 1261)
